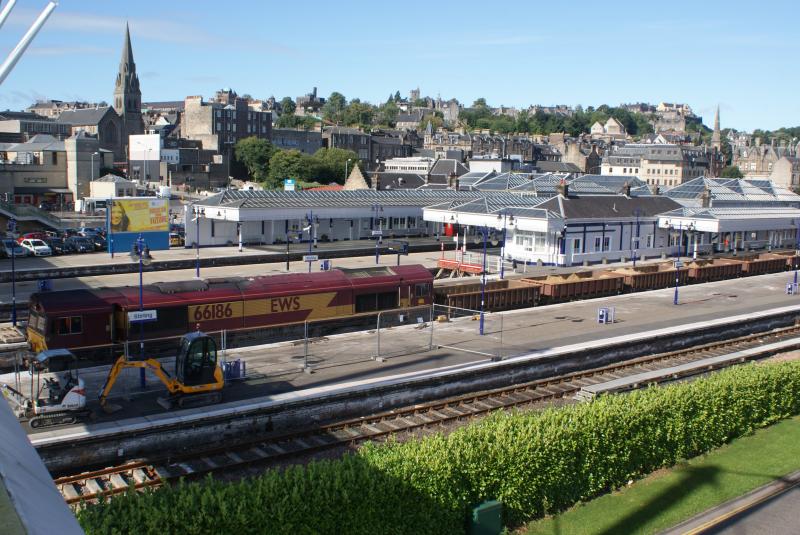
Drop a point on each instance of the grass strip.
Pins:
(668, 497)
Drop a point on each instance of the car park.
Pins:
(36, 247)
(59, 245)
(32, 236)
(99, 242)
(81, 244)
(12, 247)
(88, 232)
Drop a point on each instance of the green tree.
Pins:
(358, 113)
(436, 119)
(334, 106)
(293, 121)
(731, 171)
(330, 164)
(287, 106)
(255, 154)
(420, 103)
(397, 97)
(387, 114)
(289, 164)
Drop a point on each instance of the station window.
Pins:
(70, 325)
(576, 244)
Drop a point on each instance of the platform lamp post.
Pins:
(503, 215)
(679, 236)
(198, 213)
(483, 278)
(141, 253)
(377, 209)
(637, 212)
(312, 238)
(12, 227)
(346, 163)
(797, 249)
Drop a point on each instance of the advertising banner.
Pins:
(139, 215)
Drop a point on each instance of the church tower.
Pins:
(127, 95)
(716, 137)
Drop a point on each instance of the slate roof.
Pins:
(340, 199)
(85, 116)
(609, 206)
(446, 166)
(733, 191)
(112, 178)
(546, 166)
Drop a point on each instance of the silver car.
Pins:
(37, 247)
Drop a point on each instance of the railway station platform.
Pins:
(346, 363)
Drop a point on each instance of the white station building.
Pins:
(545, 219)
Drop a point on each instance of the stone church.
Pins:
(113, 125)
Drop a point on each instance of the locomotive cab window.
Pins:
(70, 325)
(422, 290)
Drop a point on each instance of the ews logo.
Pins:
(284, 304)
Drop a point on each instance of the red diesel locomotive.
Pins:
(92, 322)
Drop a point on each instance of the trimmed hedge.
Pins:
(535, 463)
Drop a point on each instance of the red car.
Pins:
(32, 236)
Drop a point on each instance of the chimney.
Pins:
(626, 189)
(705, 199)
(452, 181)
(563, 189)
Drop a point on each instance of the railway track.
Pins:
(89, 486)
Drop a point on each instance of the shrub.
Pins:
(534, 462)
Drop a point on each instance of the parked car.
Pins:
(31, 236)
(88, 232)
(81, 244)
(70, 232)
(18, 250)
(37, 247)
(99, 242)
(176, 239)
(59, 245)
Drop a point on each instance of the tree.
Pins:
(731, 171)
(294, 121)
(330, 164)
(358, 113)
(397, 97)
(334, 106)
(255, 154)
(479, 103)
(288, 164)
(287, 106)
(387, 114)
(436, 120)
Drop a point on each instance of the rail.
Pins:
(90, 486)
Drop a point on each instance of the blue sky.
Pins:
(740, 56)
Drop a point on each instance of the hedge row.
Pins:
(534, 463)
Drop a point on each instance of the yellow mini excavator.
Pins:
(198, 377)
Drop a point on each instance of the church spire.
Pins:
(716, 137)
(126, 62)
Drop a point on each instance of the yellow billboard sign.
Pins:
(139, 215)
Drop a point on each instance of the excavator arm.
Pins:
(150, 364)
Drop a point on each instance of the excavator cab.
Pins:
(196, 361)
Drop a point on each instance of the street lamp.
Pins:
(797, 249)
(502, 215)
(484, 232)
(345, 167)
(91, 176)
(691, 229)
(677, 234)
(635, 246)
(198, 213)
(377, 209)
(12, 227)
(312, 236)
(141, 253)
